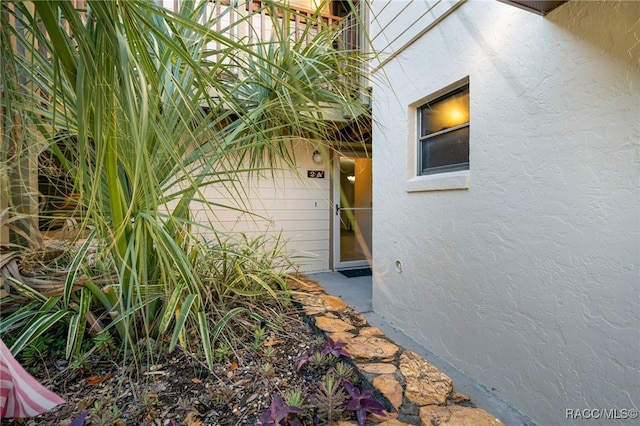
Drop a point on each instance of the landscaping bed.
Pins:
(178, 387)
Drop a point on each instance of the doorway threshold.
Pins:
(359, 272)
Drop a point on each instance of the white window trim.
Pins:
(439, 182)
(435, 182)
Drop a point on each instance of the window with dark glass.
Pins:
(443, 129)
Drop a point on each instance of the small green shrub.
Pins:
(222, 352)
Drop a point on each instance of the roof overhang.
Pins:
(541, 7)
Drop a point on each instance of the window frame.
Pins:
(451, 90)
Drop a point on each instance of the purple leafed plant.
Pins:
(79, 421)
(361, 402)
(335, 348)
(330, 348)
(280, 414)
(304, 358)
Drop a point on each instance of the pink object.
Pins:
(20, 394)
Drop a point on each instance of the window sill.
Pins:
(439, 182)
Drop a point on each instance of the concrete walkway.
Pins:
(357, 293)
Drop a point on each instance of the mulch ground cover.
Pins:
(176, 388)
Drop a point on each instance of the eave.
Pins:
(541, 7)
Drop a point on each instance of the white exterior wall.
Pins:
(528, 281)
(395, 24)
(289, 203)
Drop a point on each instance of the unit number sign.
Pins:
(318, 174)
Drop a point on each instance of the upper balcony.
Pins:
(252, 21)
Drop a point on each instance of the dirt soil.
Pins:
(178, 388)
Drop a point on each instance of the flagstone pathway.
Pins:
(417, 392)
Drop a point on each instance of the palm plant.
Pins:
(148, 114)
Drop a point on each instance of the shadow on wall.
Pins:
(585, 19)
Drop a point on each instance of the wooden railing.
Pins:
(299, 18)
(251, 20)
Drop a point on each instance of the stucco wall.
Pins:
(395, 23)
(528, 281)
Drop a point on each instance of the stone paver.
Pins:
(371, 331)
(377, 368)
(393, 422)
(389, 386)
(419, 393)
(334, 303)
(458, 398)
(332, 325)
(456, 415)
(366, 348)
(342, 336)
(425, 384)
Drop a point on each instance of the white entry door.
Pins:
(352, 212)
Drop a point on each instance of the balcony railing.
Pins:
(252, 21)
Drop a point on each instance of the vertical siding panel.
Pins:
(295, 205)
(263, 15)
(251, 22)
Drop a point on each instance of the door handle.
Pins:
(337, 209)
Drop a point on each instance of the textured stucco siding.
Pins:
(395, 23)
(529, 280)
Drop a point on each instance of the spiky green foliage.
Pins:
(142, 112)
(342, 370)
(329, 398)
